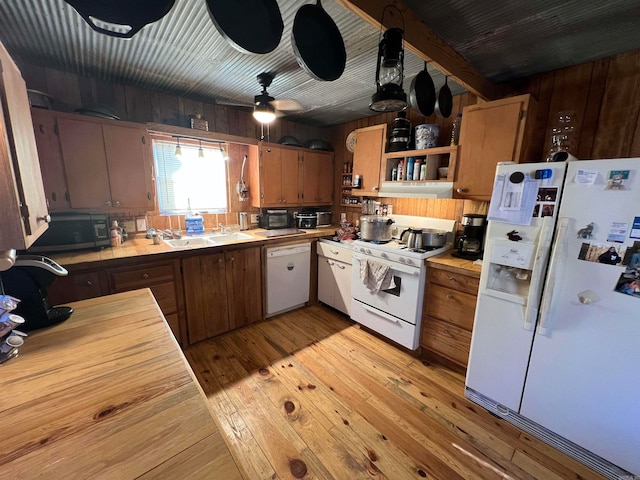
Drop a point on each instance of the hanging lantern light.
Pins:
(390, 96)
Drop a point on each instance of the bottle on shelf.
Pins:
(401, 170)
(394, 174)
(455, 130)
(417, 165)
(410, 162)
(423, 171)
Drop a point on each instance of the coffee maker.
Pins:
(28, 280)
(470, 244)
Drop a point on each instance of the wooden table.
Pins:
(107, 394)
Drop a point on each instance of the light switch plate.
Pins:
(254, 218)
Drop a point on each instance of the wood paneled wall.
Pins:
(72, 91)
(604, 96)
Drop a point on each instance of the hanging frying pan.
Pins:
(317, 43)
(444, 104)
(121, 18)
(250, 26)
(423, 93)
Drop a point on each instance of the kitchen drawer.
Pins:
(457, 281)
(335, 252)
(74, 287)
(445, 339)
(139, 277)
(454, 306)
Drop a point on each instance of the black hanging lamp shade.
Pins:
(389, 96)
(121, 18)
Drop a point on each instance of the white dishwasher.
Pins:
(288, 274)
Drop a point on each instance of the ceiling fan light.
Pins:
(264, 113)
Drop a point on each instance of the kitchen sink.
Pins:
(188, 242)
(207, 240)
(228, 237)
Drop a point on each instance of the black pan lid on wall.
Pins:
(250, 26)
(121, 18)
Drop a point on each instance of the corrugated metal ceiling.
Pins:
(184, 54)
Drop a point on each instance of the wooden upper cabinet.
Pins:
(45, 126)
(85, 163)
(94, 163)
(367, 158)
(289, 179)
(278, 177)
(491, 132)
(24, 213)
(317, 178)
(129, 164)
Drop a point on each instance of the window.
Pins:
(192, 181)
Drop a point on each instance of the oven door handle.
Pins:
(392, 266)
(384, 315)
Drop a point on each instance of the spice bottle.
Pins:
(455, 130)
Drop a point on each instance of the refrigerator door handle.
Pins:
(542, 253)
(556, 257)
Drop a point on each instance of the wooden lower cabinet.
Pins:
(447, 321)
(164, 280)
(223, 291)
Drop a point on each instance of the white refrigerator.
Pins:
(556, 339)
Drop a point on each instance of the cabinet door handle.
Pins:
(88, 283)
(449, 296)
(452, 279)
(231, 259)
(461, 190)
(445, 331)
(219, 260)
(108, 204)
(335, 252)
(145, 275)
(46, 218)
(375, 189)
(341, 267)
(116, 203)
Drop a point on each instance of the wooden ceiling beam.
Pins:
(424, 43)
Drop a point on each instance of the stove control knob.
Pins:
(409, 261)
(402, 260)
(384, 255)
(361, 249)
(368, 252)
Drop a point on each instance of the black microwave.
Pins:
(74, 231)
(274, 219)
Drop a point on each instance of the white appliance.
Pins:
(556, 343)
(288, 275)
(396, 312)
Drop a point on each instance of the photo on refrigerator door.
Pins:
(600, 253)
(629, 282)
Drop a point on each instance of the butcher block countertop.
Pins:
(141, 246)
(107, 394)
(446, 261)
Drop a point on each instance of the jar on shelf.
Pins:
(400, 136)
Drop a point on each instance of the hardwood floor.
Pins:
(310, 395)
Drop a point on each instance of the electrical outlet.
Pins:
(254, 218)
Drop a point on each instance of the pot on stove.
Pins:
(375, 228)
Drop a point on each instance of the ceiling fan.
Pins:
(265, 107)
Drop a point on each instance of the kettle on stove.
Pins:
(412, 237)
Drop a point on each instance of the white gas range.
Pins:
(395, 312)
